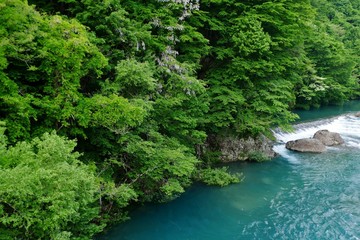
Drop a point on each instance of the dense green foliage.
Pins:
(218, 176)
(140, 85)
(45, 192)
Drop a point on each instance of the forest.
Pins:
(105, 104)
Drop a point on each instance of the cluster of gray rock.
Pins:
(316, 144)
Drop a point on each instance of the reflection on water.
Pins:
(295, 196)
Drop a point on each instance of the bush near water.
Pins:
(106, 103)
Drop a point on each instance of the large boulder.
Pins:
(306, 145)
(328, 138)
(357, 114)
(232, 148)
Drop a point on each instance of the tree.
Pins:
(253, 47)
(44, 61)
(46, 192)
(329, 75)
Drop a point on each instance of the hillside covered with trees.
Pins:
(104, 104)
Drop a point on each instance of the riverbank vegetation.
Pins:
(107, 103)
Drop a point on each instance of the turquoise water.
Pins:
(295, 196)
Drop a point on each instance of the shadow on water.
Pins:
(328, 111)
(205, 212)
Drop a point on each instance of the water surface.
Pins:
(295, 196)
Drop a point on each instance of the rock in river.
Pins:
(329, 138)
(306, 145)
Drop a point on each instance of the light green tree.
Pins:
(45, 192)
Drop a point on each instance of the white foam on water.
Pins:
(347, 126)
(280, 149)
(353, 144)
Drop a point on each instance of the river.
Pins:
(294, 196)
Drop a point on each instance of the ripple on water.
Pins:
(323, 204)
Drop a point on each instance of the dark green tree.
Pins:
(44, 61)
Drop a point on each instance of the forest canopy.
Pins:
(104, 104)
